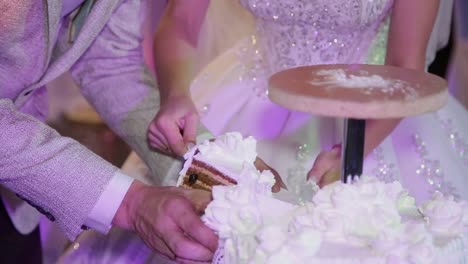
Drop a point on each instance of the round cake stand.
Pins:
(357, 92)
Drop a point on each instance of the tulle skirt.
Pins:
(425, 153)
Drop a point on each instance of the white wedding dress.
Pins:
(426, 153)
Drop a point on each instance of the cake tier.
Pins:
(452, 252)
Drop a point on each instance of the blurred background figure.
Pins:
(458, 77)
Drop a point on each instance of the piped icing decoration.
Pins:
(445, 217)
(236, 210)
(368, 221)
(227, 153)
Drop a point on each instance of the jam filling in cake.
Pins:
(201, 175)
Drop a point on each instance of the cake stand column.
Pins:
(357, 92)
(352, 153)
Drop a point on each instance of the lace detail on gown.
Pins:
(292, 33)
(295, 33)
(456, 139)
(384, 170)
(431, 170)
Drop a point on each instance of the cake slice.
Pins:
(201, 175)
(217, 162)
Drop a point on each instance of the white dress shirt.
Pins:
(100, 218)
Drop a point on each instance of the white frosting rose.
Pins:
(229, 151)
(394, 190)
(396, 259)
(330, 222)
(389, 242)
(236, 194)
(284, 255)
(232, 211)
(364, 216)
(416, 232)
(305, 242)
(246, 221)
(260, 257)
(230, 252)
(464, 205)
(422, 253)
(369, 189)
(239, 249)
(444, 216)
(343, 195)
(271, 238)
(354, 213)
(253, 181)
(411, 243)
(323, 196)
(407, 204)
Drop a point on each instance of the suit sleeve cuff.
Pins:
(102, 214)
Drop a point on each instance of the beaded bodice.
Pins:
(305, 32)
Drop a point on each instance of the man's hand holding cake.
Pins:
(167, 219)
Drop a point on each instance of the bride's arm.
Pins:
(174, 55)
(410, 28)
(174, 45)
(175, 125)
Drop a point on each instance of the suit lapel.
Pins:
(54, 8)
(95, 21)
(78, 19)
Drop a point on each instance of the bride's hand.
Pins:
(326, 168)
(261, 166)
(175, 126)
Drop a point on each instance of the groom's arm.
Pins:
(55, 174)
(113, 77)
(71, 186)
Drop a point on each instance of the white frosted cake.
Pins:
(368, 221)
(217, 162)
(365, 222)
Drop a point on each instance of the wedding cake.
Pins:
(368, 221)
(217, 162)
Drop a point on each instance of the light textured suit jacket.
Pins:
(57, 175)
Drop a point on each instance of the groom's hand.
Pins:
(168, 220)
